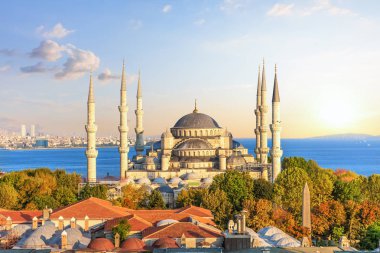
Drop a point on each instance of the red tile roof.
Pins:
(195, 210)
(137, 223)
(176, 230)
(22, 216)
(94, 208)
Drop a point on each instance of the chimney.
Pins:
(86, 223)
(64, 240)
(243, 222)
(238, 221)
(8, 223)
(61, 224)
(42, 222)
(46, 213)
(117, 240)
(344, 242)
(73, 222)
(34, 223)
(231, 225)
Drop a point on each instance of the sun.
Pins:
(337, 114)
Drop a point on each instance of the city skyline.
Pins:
(209, 51)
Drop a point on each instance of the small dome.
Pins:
(101, 244)
(207, 180)
(20, 229)
(34, 242)
(165, 243)
(166, 134)
(196, 120)
(165, 189)
(236, 144)
(194, 144)
(269, 231)
(190, 176)
(160, 180)
(278, 236)
(288, 242)
(133, 244)
(236, 160)
(144, 180)
(166, 222)
(175, 180)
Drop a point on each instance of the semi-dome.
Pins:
(144, 180)
(288, 242)
(166, 222)
(160, 181)
(133, 244)
(269, 231)
(101, 244)
(165, 189)
(194, 144)
(196, 120)
(165, 243)
(236, 160)
(190, 176)
(175, 180)
(278, 236)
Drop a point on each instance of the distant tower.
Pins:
(32, 131)
(139, 145)
(276, 152)
(23, 131)
(306, 217)
(91, 129)
(258, 117)
(123, 127)
(264, 124)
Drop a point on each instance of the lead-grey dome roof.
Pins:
(196, 120)
(194, 144)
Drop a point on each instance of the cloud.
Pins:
(167, 8)
(4, 68)
(36, 68)
(48, 50)
(106, 75)
(281, 10)
(78, 63)
(232, 5)
(57, 32)
(200, 22)
(8, 52)
(135, 24)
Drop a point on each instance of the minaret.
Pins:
(91, 129)
(276, 152)
(306, 216)
(258, 117)
(139, 130)
(264, 124)
(123, 127)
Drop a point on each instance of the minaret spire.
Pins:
(264, 124)
(258, 117)
(91, 129)
(123, 127)
(275, 127)
(195, 107)
(139, 129)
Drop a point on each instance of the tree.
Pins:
(350, 190)
(192, 196)
(237, 185)
(217, 201)
(262, 189)
(8, 196)
(97, 191)
(40, 202)
(132, 195)
(288, 189)
(294, 162)
(374, 188)
(153, 201)
(123, 229)
(322, 186)
(64, 196)
(259, 213)
(372, 237)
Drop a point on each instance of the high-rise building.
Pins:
(23, 131)
(32, 131)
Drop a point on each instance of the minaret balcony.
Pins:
(264, 150)
(123, 129)
(139, 112)
(91, 153)
(275, 127)
(257, 112)
(257, 131)
(123, 108)
(91, 128)
(264, 109)
(276, 153)
(263, 129)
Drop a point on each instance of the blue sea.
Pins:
(361, 156)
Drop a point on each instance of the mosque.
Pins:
(196, 147)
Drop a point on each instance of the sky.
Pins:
(327, 53)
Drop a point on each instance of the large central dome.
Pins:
(196, 120)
